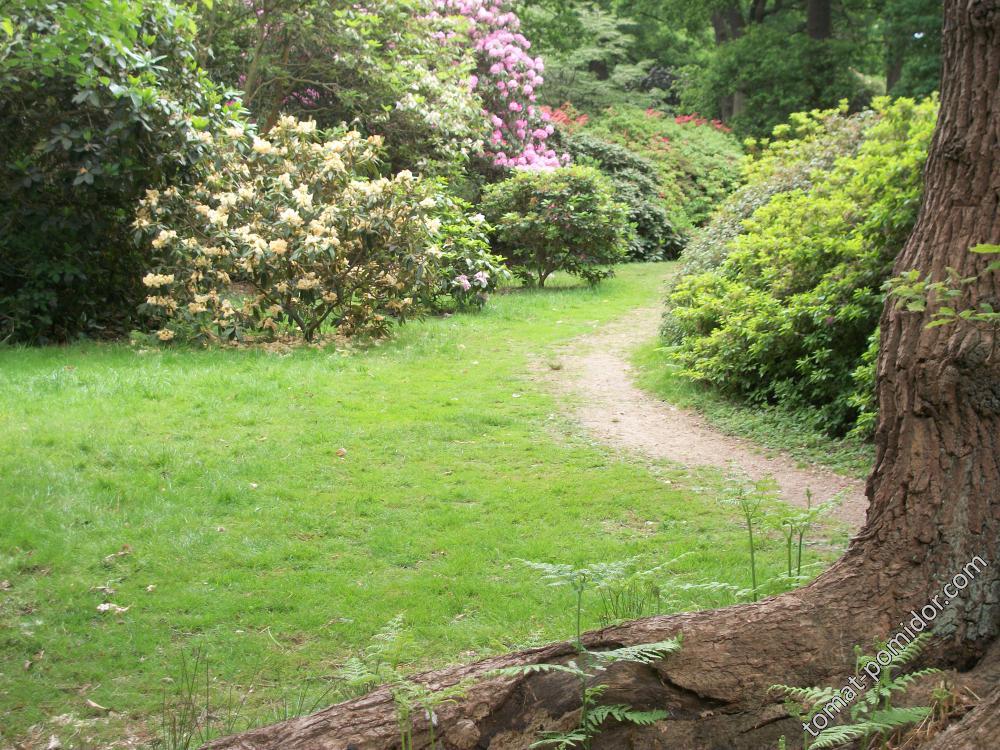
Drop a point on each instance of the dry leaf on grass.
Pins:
(125, 550)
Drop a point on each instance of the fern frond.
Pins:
(389, 633)
(528, 669)
(556, 573)
(837, 736)
(913, 649)
(904, 680)
(645, 718)
(643, 653)
(807, 696)
(561, 740)
(898, 684)
(900, 717)
(354, 670)
(619, 712)
(879, 723)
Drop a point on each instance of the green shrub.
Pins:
(90, 119)
(789, 313)
(467, 269)
(389, 67)
(292, 231)
(862, 397)
(565, 219)
(806, 147)
(635, 182)
(697, 161)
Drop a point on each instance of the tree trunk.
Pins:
(728, 25)
(819, 19)
(933, 508)
(894, 66)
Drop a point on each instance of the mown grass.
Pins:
(216, 473)
(771, 427)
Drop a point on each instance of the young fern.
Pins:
(872, 715)
(590, 664)
(879, 724)
(643, 653)
(376, 664)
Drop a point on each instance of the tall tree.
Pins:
(819, 19)
(934, 506)
(912, 30)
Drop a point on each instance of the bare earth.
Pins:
(596, 373)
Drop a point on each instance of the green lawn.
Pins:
(218, 474)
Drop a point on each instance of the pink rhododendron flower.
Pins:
(508, 79)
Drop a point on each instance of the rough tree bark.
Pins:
(819, 19)
(934, 506)
(728, 24)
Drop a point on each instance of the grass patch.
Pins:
(772, 427)
(274, 511)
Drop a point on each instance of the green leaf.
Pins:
(643, 653)
(8, 26)
(985, 249)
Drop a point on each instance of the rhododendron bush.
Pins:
(507, 80)
(565, 219)
(698, 161)
(389, 67)
(292, 230)
(467, 268)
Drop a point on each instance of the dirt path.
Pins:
(596, 371)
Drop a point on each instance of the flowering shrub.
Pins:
(507, 79)
(90, 118)
(566, 117)
(468, 271)
(697, 119)
(290, 229)
(697, 166)
(560, 220)
(376, 63)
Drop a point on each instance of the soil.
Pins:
(595, 374)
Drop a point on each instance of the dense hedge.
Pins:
(90, 120)
(787, 308)
(636, 185)
(697, 161)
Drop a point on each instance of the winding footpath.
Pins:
(596, 377)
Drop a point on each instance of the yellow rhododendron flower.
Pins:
(308, 282)
(278, 247)
(154, 280)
